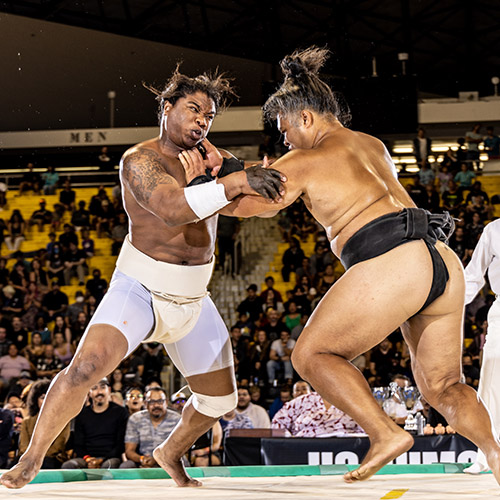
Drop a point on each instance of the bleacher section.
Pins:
(36, 240)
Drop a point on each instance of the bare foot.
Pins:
(21, 474)
(380, 454)
(174, 468)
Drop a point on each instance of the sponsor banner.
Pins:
(345, 450)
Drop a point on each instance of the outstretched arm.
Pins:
(143, 171)
(249, 206)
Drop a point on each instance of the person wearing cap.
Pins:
(178, 400)
(41, 216)
(99, 431)
(148, 428)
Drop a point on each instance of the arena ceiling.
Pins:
(452, 45)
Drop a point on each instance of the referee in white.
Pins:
(486, 258)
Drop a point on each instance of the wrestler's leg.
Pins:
(435, 342)
(192, 425)
(205, 358)
(366, 304)
(103, 350)
(127, 305)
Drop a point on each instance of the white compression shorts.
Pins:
(128, 307)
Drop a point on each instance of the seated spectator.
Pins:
(74, 264)
(67, 196)
(154, 359)
(97, 285)
(297, 330)
(280, 357)
(68, 236)
(134, 368)
(55, 302)
(48, 365)
(118, 233)
(477, 190)
(116, 381)
(19, 277)
(32, 306)
(56, 454)
(6, 432)
(310, 415)
(105, 217)
(292, 319)
(259, 356)
(478, 204)
(78, 328)
(63, 349)
(41, 216)
(432, 200)
(328, 278)
(257, 414)
(80, 217)
(87, 244)
(4, 342)
(474, 228)
(178, 400)
(99, 432)
(416, 191)
(292, 259)
(270, 297)
(205, 451)
(50, 180)
(273, 324)
(465, 177)
(76, 307)
(381, 362)
(60, 326)
(235, 420)
(16, 227)
(452, 198)
(147, 429)
(300, 388)
(55, 263)
(11, 366)
(42, 329)
(30, 181)
(13, 302)
(471, 373)
(34, 350)
(252, 305)
(426, 175)
(246, 326)
(38, 275)
(18, 333)
(461, 245)
(277, 404)
(134, 400)
(240, 353)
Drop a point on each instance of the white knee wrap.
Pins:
(206, 199)
(214, 406)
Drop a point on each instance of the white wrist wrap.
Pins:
(206, 199)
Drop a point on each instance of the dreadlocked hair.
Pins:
(302, 88)
(215, 85)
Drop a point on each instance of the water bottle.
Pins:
(420, 424)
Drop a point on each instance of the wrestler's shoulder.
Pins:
(142, 155)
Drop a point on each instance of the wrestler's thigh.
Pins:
(434, 337)
(370, 301)
(127, 307)
(204, 356)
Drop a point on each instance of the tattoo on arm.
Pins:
(144, 172)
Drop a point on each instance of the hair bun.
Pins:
(308, 61)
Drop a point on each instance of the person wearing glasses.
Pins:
(134, 400)
(146, 429)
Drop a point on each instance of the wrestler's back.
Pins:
(189, 244)
(349, 182)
